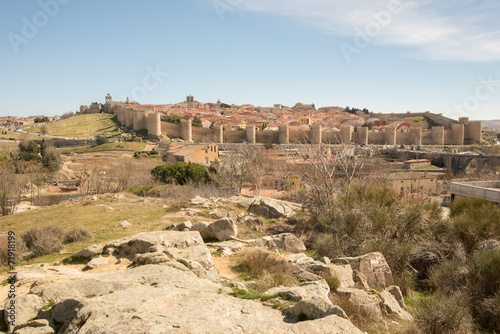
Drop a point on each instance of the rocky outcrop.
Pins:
(376, 304)
(252, 222)
(343, 272)
(96, 262)
(271, 208)
(286, 241)
(166, 246)
(165, 298)
(373, 266)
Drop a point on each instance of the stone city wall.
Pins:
(139, 119)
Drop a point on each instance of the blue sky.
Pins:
(384, 55)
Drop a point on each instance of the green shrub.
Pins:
(182, 173)
(75, 234)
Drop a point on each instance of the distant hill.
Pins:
(495, 124)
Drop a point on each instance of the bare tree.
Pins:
(10, 190)
(327, 169)
(260, 166)
(317, 168)
(235, 165)
(44, 130)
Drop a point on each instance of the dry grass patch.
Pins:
(269, 268)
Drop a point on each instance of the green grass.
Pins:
(251, 295)
(126, 146)
(95, 217)
(81, 127)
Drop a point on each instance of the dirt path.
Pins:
(223, 266)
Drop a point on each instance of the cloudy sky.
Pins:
(384, 55)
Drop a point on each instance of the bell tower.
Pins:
(109, 99)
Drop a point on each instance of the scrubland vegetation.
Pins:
(448, 268)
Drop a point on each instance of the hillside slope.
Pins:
(81, 127)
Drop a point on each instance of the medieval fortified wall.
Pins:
(139, 118)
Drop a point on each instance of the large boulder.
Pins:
(312, 301)
(391, 306)
(368, 301)
(224, 229)
(39, 326)
(286, 241)
(21, 309)
(271, 208)
(97, 262)
(218, 213)
(373, 266)
(344, 272)
(252, 222)
(203, 228)
(375, 303)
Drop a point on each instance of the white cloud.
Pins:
(433, 29)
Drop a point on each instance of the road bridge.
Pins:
(459, 162)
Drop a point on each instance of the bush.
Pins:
(101, 140)
(448, 277)
(144, 191)
(485, 292)
(473, 221)
(4, 251)
(444, 315)
(182, 173)
(46, 244)
(75, 234)
(266, 266)
(333, 282)
(44, 240)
